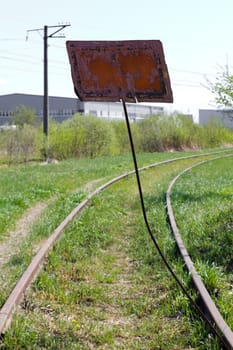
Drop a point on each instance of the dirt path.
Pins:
(112, 273)
(10, 246)
(121, 286)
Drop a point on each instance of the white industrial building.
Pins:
(62, 108)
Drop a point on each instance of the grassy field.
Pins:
(104, 285)
(207, 192)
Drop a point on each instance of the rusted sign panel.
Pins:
(115, 70)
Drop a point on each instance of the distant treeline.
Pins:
(89, 136)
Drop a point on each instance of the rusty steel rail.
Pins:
(35, 266)
(209, 305)
(32, 271)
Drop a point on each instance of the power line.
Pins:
(18, 59)
(187, 85)
(187, 71)
(11, 56)
(11, 39)
(58, 62)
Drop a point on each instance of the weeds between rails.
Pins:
(208, 310)
(150, 166)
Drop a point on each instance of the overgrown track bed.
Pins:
(44, 250)
(210, 310)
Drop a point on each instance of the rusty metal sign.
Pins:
(115, 70)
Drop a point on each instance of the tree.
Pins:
(24, 115)
(222, 88)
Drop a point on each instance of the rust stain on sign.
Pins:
(114, 70)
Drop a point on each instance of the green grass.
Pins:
(207, 193)
(104, 285)
(22, 186)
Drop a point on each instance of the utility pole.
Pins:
(46, 97)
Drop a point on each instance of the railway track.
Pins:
(211, 312)
(17, 294)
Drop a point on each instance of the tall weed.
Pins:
(81, 136)
(89, 136)
(22, 144)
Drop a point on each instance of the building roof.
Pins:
(12, 101)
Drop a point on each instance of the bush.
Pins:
(81, 136)
(22, 144)
(150, 134)
(90, 136)
(178, 132)
(162, 133)
(24, 115)
(214, 133)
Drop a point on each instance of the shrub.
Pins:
(90, 136)
(216, 134)
(81, 136)
(24, 115)
(22, 144)
(150, 134)
(160, 133)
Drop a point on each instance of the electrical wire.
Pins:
(60, 65)
(166, 263)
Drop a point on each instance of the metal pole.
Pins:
(46, 98)
(46, 105)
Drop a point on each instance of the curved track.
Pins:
(36, 264)
(208, 304)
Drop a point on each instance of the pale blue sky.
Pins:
(196, 35)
